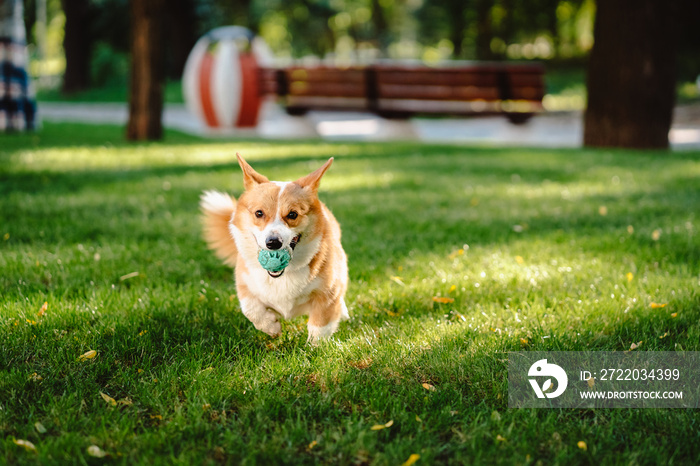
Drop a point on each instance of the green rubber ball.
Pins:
(274, 261)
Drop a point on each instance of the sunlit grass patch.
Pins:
(457, 256)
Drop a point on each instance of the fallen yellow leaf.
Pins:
(658, 305)
(110, 401)
(397, 280)
(427, 386)
(440, 299)
(591, 382)
(382, 426)
(43, 309)
(97, 452)
(89, 355)
(582, 445)
(128, 276)
(418, 419)
(26, 444)
(630, 276)
(411, 459)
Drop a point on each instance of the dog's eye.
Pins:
(259, 213)
(292, 215)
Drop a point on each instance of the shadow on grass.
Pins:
(78, 136)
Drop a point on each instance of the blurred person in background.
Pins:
(17, 106)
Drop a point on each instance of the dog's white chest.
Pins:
(284, 294)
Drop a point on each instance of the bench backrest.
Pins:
(406, 90)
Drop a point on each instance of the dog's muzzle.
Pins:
(292, 245)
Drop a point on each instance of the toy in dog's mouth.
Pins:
(275, 262)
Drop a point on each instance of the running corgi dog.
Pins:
(272, 216)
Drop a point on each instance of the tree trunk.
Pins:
(631, 75)
(181, 35)
(77, 44)
(147, 70)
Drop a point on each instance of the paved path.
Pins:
(546, 130)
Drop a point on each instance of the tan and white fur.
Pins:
(274, 215)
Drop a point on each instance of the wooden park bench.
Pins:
(395, 91)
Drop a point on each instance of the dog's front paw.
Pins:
(274, 328)
(262, 318)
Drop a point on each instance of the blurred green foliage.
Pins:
(358, 31)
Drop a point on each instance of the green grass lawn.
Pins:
(539, 249)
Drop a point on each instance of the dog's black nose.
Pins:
(273, 243)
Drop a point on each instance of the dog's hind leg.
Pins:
(324, 317)
(344, 314)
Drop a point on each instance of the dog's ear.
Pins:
(251, 178)
(312, 180)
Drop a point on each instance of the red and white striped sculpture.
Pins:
(220, 82)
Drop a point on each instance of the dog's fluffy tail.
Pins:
(218, 209)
